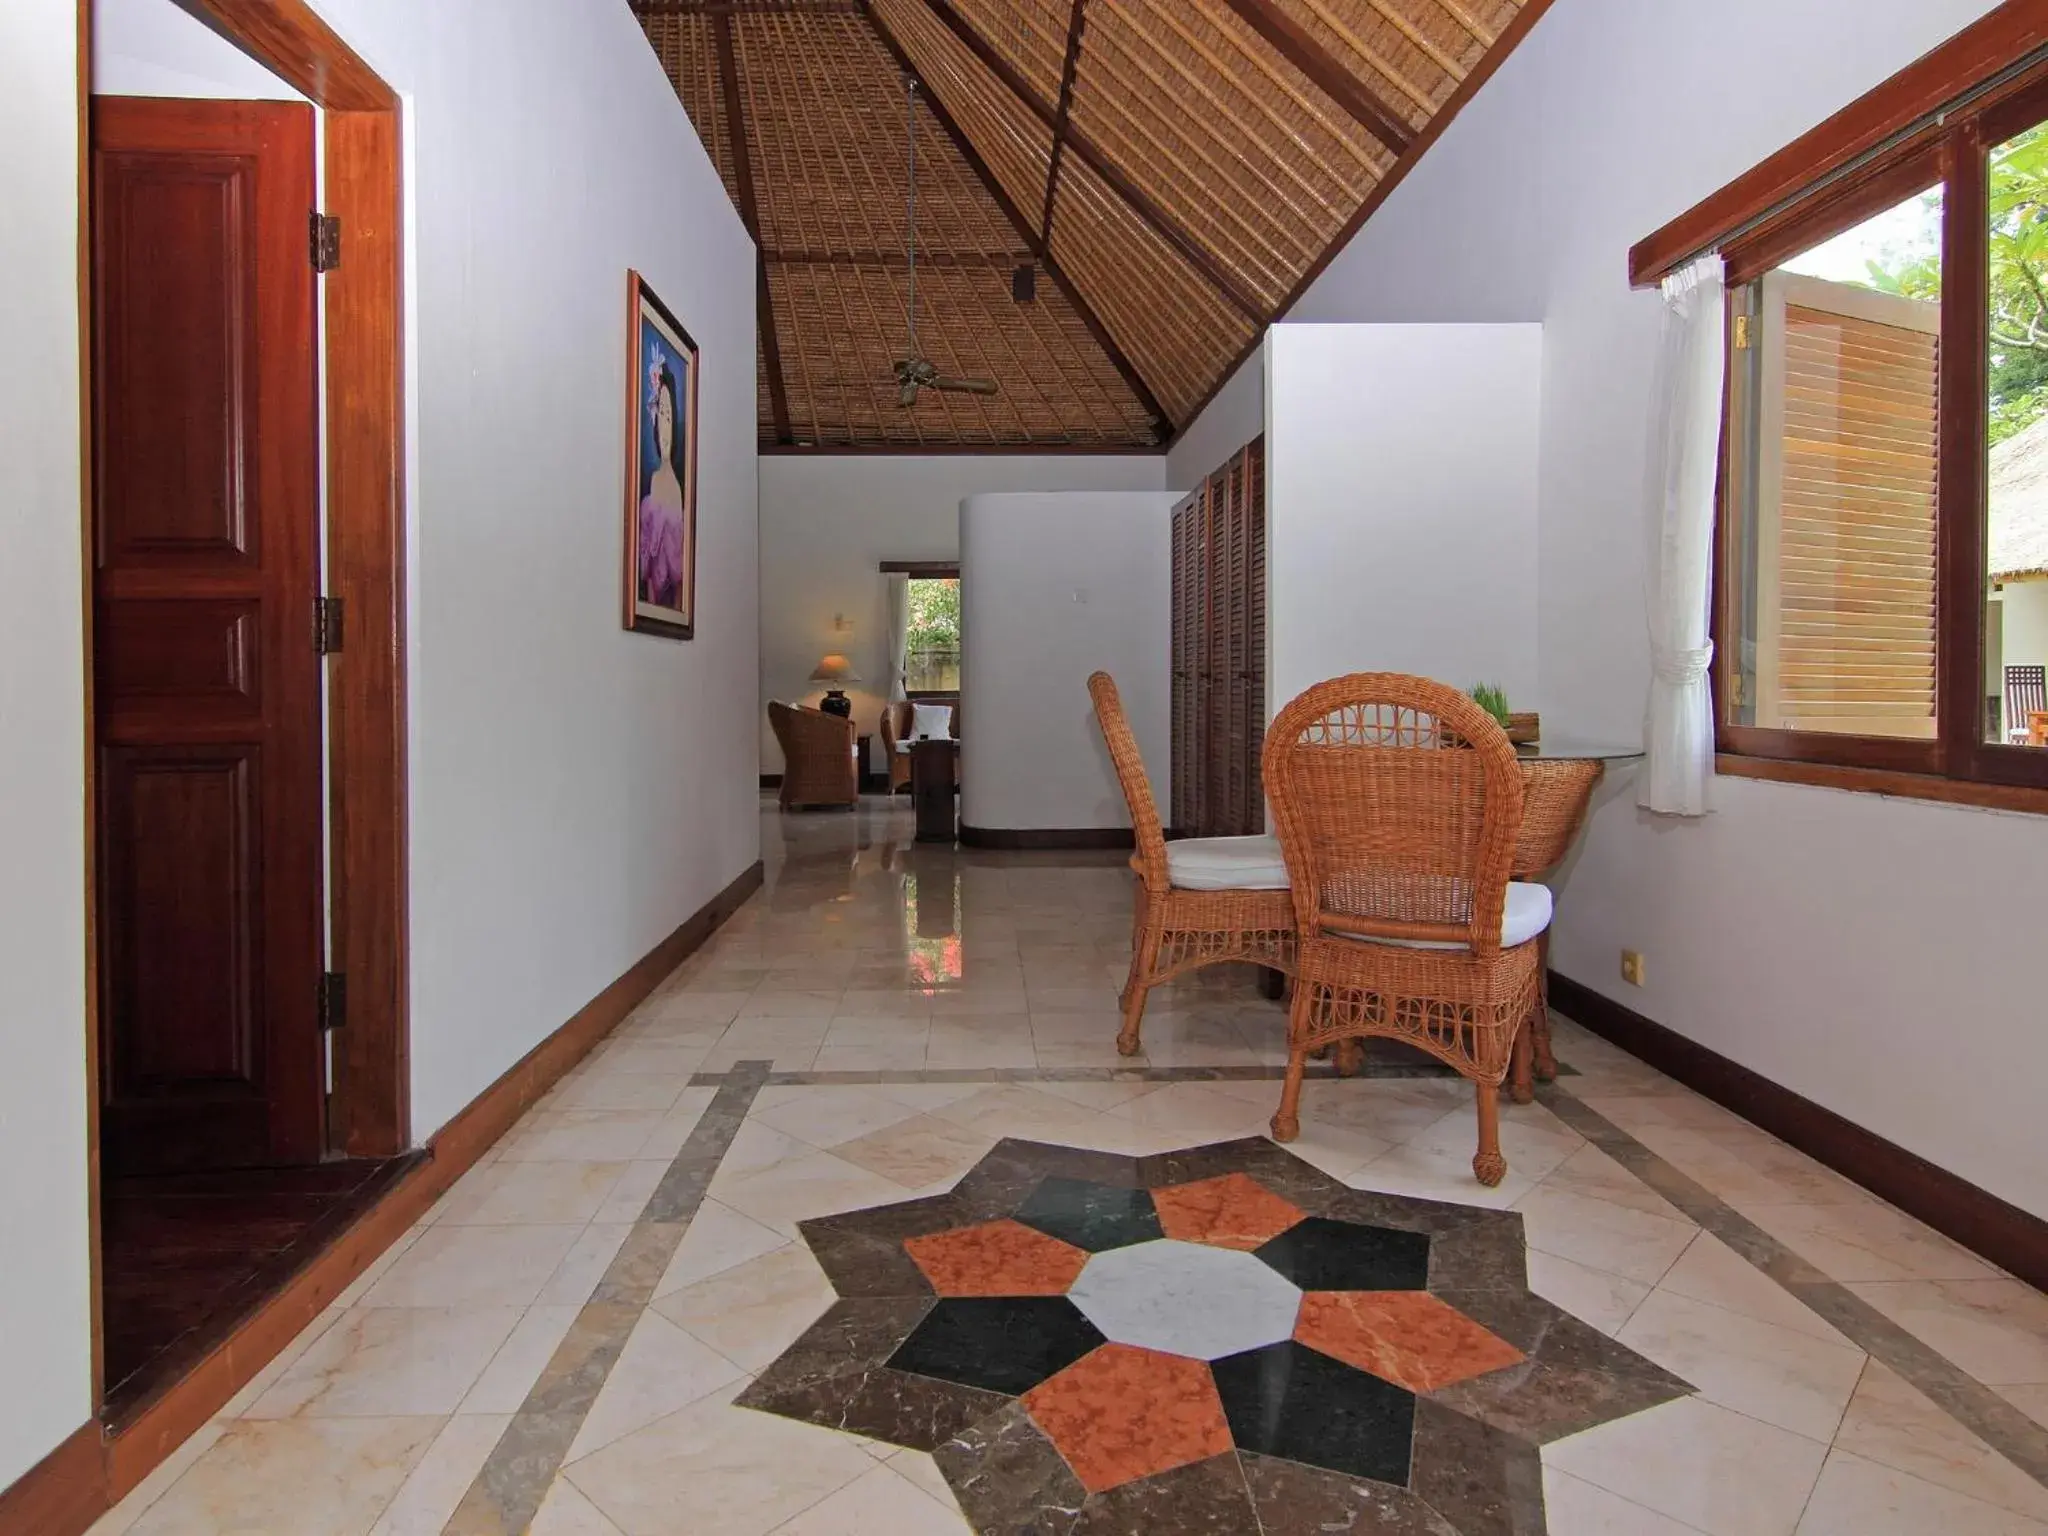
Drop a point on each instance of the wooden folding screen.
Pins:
(1219, 651)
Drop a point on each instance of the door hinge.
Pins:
(324, 231)
(1742, 333)
(333, 1001)
(326, 626)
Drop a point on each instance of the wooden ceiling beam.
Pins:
(1299, 47)
(1068, 69)
(1025, 232)
(1003, 261)
(750, 215)
(1163, 223)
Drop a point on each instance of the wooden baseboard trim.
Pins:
(1989, 1227)
(1030, 838)
(93, 1469)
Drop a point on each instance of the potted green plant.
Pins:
(1522, 728)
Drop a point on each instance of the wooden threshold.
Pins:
(1885, 781)
(96, 1466)
(1993, 1229)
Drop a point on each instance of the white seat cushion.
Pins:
(1226, 864)
(1525, 914)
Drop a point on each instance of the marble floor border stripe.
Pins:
(505, 1495)
(1962, 1397)
(1220, 1074)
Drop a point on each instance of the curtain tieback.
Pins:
(1681, 668)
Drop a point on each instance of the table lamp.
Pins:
(832, 671)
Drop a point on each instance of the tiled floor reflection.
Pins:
(1877, 1381)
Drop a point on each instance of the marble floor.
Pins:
(632, 1319)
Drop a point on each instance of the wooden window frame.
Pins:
(1931, 125)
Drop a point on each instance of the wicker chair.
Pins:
(1398, 844)
(818, 762)
(1555, 795)
(1200, 900)
(894, 728)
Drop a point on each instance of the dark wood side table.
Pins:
(934, 779)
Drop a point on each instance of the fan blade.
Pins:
(967, 386)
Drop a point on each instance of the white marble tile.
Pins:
(1863, 1498)
(751, 1312)
(819, 1184)
(1712, 1272)
(584, 1264)
(919, 1151)
(498, 1266)
(1592, 1174)
(308, 1477)
(390, 1361)
(715, 1468)
(824, 1117)
(545, 1193)
(1575, 1507)
(1789, 1379)
(1186, 1299)
(878, 1501)
(661, 1369)
(582, 1135)
(1633, 1244)
(566, 1512)
(717, 1238)
(1591, 1295)
(430, 1495)
(136, 1502)
(1892, 1422)
(1700, 1464)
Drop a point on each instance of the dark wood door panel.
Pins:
(206, 681)
(177, 335)
(182, 892)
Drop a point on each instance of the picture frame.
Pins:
(661, 467)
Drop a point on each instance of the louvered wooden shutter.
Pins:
(1182, 766)
(1845, 528)
(1255, 635)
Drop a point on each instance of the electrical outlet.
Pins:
(1632, 967)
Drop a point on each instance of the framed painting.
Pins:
(661, 468)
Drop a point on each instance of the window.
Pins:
(1882, 591)
(931, 662)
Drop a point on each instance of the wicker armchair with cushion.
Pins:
(1399, 845)
(819, 764)
(1201, 900)
(899, 727)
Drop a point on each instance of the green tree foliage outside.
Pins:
(2019, 282)
(934, 634)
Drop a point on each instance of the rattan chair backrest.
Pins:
(1130, 774)
(1397, 801)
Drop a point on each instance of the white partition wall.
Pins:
(1053, 586)
(1401, 482)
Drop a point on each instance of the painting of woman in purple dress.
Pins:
(661, 512)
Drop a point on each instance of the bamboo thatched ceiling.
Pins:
(1172, 172)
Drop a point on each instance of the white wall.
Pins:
(1854, 949)
(45, 1321)
(575, 793)
(829, 521)
(1401, 504)
(1053, 587)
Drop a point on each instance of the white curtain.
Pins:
(1678, 585)
(897, 607)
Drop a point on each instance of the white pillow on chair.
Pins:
(930, 722)
(1226, 864)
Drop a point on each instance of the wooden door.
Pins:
(206, 684)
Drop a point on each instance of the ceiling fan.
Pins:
(918, 372)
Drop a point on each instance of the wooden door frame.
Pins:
(363, 370)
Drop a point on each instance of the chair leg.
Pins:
(1350, 1054)
(1144, 955)
(1539, 1022)
(1287, 1118)
(1488, 1166)
(1522, 1084)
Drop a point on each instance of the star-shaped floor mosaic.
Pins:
(1220, 1339)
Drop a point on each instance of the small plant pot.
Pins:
(1524, 729)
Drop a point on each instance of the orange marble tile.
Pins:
(1234, 1211)
(997, 1258)
(1407, 1337)
(1121, 1413)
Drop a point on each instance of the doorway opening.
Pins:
(247, 1028)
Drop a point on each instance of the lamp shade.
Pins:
(835, 669)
